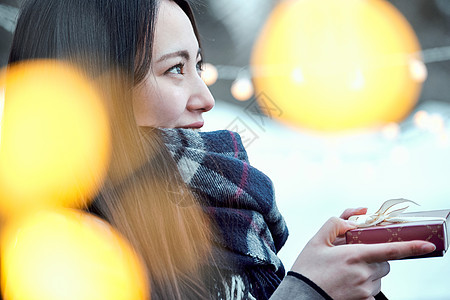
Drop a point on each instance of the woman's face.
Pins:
(173, 95)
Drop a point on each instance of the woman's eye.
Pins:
(200, 66)
(177, 69)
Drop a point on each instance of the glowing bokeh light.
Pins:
(68, 254)
(242, 89)
(297, 76)
(209, 74)
(55, 144)
(338, 64)
(418, 70)
(421, 119)
(391, 131)
(436, 123)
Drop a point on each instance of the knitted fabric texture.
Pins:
(239, 198)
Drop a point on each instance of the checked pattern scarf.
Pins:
(240, 199)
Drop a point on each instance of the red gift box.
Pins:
(435, 231)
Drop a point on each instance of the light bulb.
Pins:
(209, 74)
(242, 89)
(418, 70)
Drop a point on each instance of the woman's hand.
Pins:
(351, 271)
(353, 212)
(340, 240)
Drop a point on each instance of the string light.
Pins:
(421, 119)
(433, 123)
(209, 74)
(242, 89)
(418, 70)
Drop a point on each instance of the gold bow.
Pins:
(389, 213)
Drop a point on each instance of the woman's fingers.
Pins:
(396, 250)
(352, 212)
(332, 228)
(351, 271)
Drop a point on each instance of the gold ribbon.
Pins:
(389, 213)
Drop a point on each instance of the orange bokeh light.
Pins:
(71, 255)
(55, 142)
(338, 64)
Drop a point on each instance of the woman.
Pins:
(115, 52)
(145, 55)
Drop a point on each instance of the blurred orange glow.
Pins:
(55, 142)
(2, 101)
(338, 64)
(67, 254)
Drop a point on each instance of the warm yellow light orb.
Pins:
(2, 102)
(55, 139)
(338, 64)
(70, 255)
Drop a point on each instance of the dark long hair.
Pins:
(106, 34)
(143, 195)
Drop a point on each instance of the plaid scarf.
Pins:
(240, 199)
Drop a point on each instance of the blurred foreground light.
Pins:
(55, 141)
(242, 89)
(71, 255)
(2, 102)
(297, 76)
(338, 64)
(209, 74)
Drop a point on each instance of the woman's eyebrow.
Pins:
(180, 53)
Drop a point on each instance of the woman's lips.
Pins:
(196, 125)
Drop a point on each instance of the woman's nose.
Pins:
(201, 98)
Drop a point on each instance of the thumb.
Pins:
(333, 228)
(353, 211)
